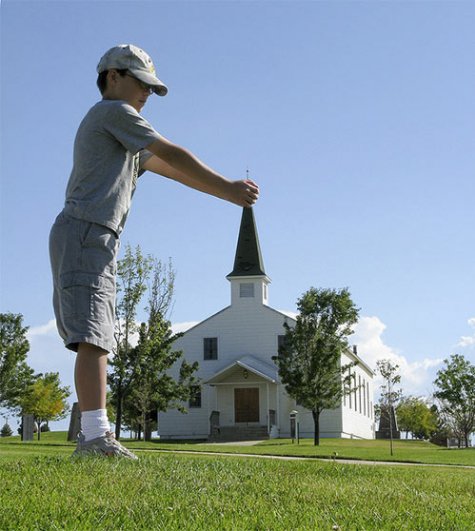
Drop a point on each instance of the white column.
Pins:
(268, 407)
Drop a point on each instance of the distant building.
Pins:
(241, 395)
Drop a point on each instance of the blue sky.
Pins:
(355, 118)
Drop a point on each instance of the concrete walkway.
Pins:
(235, 443)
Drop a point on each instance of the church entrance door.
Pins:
(246, 404)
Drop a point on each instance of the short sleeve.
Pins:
(129, 128)
(144, 155)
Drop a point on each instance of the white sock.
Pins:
(94, 423)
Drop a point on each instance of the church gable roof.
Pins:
(252, 364)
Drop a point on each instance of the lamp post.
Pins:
(294, 426)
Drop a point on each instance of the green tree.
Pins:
(132, 274)
(456, 395)
(416, 417)
(444, 429)
(15, 374)
(389, 394)
(6, 431)
(309, 361)
(45, 399)
(152, 388)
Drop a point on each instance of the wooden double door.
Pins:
(246, 404)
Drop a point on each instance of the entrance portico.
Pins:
(245, 394)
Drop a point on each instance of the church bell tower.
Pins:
(249, 282)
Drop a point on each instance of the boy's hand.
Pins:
(243, 193)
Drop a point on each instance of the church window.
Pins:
(367, 400)
(246, 289)
(210, 348)
(364, 397)
(359, 393)
(350, 395)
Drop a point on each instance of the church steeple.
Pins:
(248, 259)
(248, 278)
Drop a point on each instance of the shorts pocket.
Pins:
(87, 296)
(99, 246)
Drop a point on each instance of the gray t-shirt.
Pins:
(108, 157)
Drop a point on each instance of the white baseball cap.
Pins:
(136, 61)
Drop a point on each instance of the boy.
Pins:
(113, 146)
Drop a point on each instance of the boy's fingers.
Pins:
(252, 197)
(252, 184)
(252, 190)
(247, 193)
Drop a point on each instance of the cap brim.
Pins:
(158, 86)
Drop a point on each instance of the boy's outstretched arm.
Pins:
(181, 165)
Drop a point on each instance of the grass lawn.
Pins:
(41, 488)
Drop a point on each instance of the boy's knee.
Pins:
(87, 349)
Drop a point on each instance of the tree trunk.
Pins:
(39, 428)
(391, 428)
(316, 422)
(147, 433)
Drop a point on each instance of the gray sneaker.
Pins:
(105, 446)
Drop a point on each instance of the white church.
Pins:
(241, 395)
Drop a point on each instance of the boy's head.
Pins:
(129, 59)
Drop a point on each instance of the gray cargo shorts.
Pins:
(83, 261)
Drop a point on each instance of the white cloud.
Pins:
(42, 330)
(416, 376)
(468, 341)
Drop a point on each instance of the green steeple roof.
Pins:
(248, 260)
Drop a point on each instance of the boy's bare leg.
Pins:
(91, 381)
(91, 377)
